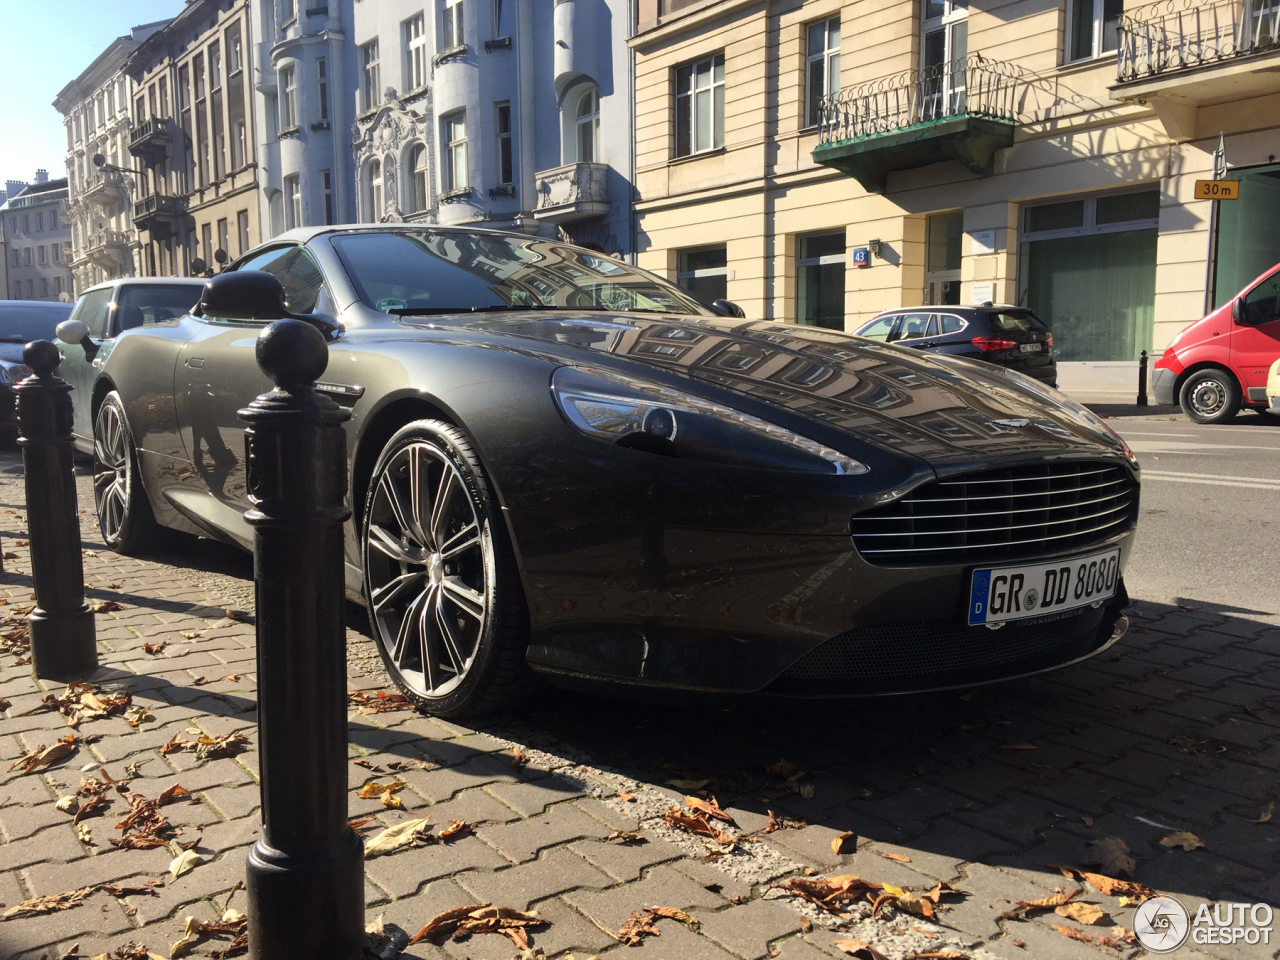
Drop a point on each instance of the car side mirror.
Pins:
(77, 331)
(253, 295)
(727, 308)
(1237, 310)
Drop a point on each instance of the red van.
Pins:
(1219, 363)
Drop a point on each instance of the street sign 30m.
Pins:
(1217, 189)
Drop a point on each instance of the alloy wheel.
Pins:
(430, 568)
(111, 471)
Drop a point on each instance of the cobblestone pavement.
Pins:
(1176, 728)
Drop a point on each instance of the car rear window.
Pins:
(1020, 322)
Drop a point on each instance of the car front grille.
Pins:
(932, 652)
(1000, 515)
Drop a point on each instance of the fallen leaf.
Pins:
(384, 792)
(406, 834)
(626, 797)
(1266, 814)
(1086, 913)
(153, 649)
(174, 744)
(136, 716)
(455, 828)
(806, 925)
(67, 804)
(361, 827)
(171, 795)
(937, 953)
(1073, 933)
(237, 948)
(846, 842)
(190, 937)
(708, 807)
(1109, 886)
(45, 756)
(518, 758)
(482, 918)
(372, 767)
(185, 862)
(625, 837)
(784, 769)
(38, 906)
(860, 949)
(1112, 855)
(92, 804)
(378, 702)
(1180, 838)
(901, 858)
(672, 913)
(1120, 936)
(190, 634)
(1087, 821)
(675, 818)
(223, 745)
(1189, 606)
(638, 926)
(783, 823)
(105, 606)
(84, 834)
(830, 893)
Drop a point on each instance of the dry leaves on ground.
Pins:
(410, 833)
(625, 838)
(207, 748)
(1119, 937)
(384, 940)
(626, 797)
(190, 634)
(1090, 914)
(386, 792)
(938, 953)
(900, 857)
(1112, 856)
(377, 702)
(791, 777)
(1266, 814)
(184, 862)
(105, 606)
(519, 758)
(846, 842)
(1180, 838)
(43, 756)
(233, 922)
(709, 808)
(783, 823)
(1109, 886)
(145, 821)
(461, 922)
(38, 906)
(917, 904)
(831, 893)
(155, 648)
(860, 949)
(699, 824)
(1026, 908)
(641, 923)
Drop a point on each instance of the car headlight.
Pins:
(13, 372)
(1079, 410)
(660, 419)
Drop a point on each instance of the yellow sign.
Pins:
(1217, 189)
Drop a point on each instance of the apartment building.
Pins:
(818, 161)
(101, 185)
(35, 240)
(193, 142)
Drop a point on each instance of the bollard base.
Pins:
(64, 646)
(304, 907)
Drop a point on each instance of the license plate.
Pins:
(1030, 347)
(1000, 594)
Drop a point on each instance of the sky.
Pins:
(43, 47)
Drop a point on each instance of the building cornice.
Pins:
(669, 28)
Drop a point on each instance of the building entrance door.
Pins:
(942, 258)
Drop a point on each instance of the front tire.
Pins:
(124, 513)
(440, 579)
(1210, 396)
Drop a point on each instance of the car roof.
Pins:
(33, 306)
(956, 308)
(147, 282)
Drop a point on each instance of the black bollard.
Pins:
(63, 642)
(306, 873)
(1142, 379)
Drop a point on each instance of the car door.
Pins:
(1255, 337)
(218, 375)
(80, 361)
(953, 337)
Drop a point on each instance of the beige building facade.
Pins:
(192, 141)
(819, 161)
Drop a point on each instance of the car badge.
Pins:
(1013, 422)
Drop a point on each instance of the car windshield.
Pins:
(22, 323)
(429, 272)
(1021, 322)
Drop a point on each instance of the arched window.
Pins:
(587, 118)
(375, 191)
(418, 178)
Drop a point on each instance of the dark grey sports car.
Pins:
(566, 465)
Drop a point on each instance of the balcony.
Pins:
(158, 215)
(963, 111)
(576, 191)
(1180, 55)
(106, 192)
(108, 249)
(151, 140)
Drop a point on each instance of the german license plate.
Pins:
(1030, 347)
(1001, 594)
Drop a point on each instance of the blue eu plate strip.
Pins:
(978, 599)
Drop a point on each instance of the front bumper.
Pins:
(1162, 384)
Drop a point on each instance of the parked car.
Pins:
(21, 321)
(1218, 364)
(562, 464)
(1007, 336)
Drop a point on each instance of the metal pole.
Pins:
(1211, 261)
(305, 875)
(1142, 379)
(63, 642)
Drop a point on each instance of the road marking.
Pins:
(1181, 446)
(1254, 483)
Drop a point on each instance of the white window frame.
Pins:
(416, 62)
(716, 122)
(1097, 38)
(370, 76)
(701, 272)
(375, 190)
(451, 25)
(288, 98)
(504, 140)
(591, 120)
(292, 202)
(829, 57)
(955, 13)
(1090, 227)
(418, 178)
(322, 87)
(457, 161)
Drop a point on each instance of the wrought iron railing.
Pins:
(1180, 34)
(973, 86)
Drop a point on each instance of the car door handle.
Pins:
(195, 362)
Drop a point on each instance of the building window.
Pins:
(40, 254)
(375, 191)
(202, 120)
(942, 257)
(219, 124)
(39, 222)
(1087, 267)
(700, 106)
(326, 186)
(292, 202)
(820, 290)
(26, 257)
(587, 126)
(31, 290)
(288, 102)
(224, 237)
(506, 158)
(451, 32)
(418, 178)
(286, 11)
(242, 228)
(53, 219)
(1092, 27)
(822, 61)
(55, 253)
(184, 111)
(44, 286)
(944, 47)
(704, 273)
(57, 286)
(415, 52)
(455, 135)
(206, 243)
(370, 95)
(322, 76)
(26, 223)
(235, 98)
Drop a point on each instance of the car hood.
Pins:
(944, 410)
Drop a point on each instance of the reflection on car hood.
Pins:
(11, 352)
(941, 409)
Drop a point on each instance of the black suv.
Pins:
(997, 333)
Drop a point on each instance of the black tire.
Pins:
(1210, 396)
(124, 513)
(441, 584)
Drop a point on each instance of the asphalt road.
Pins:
(1209, 530)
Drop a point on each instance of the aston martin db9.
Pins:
(561, 464)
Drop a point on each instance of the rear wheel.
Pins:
(124, 513)
(1210, 396)
(440, 579)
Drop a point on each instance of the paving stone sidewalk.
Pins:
(1178, 728)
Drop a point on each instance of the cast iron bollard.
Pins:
(63, 642)
(1142, 379)
(306, 873)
